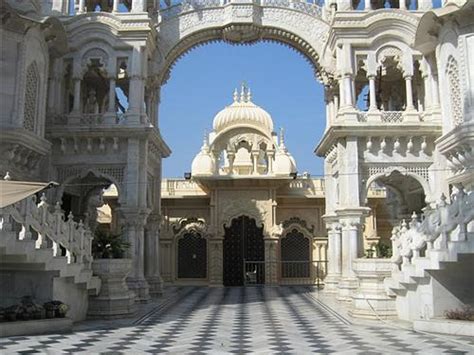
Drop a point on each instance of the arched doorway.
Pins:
(392, 197)
(192, 256)
(295, 255)
(243, 241)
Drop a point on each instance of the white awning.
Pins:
(14, 191)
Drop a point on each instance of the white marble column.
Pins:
(116, 6)
(111, 107)
(372, 94)
(334, 260)
(216, 259)
(82, 6)
(367, 5)
(133, 227)
(271, 272)
(138, 6)
(409, 92)
(255, 155)
(348, 97)
(152, 256)
(76, 108)
(403, 5)
(110, 117)
(435, 91)
(271, 156)
(350, 252)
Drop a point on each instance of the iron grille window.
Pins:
(192, 256)
(295, 255)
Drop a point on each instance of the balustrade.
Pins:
(438, 226)
(30, 220)
(310, 8)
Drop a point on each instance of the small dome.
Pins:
(203, 164)
(243, 112)
(284, 162)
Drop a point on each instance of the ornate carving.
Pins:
(296, 220)
(190, 225)
(31, 97)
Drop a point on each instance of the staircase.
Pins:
(36, 237)
(442, 239)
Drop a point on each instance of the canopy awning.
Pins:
(14, 191)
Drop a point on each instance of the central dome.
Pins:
(243, 112)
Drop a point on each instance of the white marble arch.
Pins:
(179, 33)
(82, 174)
(424, 184)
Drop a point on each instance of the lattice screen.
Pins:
(192, 256)
(295, 256)
(31, 97)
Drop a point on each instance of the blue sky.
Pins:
(202, 83)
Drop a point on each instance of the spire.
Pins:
(236, 95)
(282, 140)
(249, 95)
(205, 143)
(243, 93)
(282, 137)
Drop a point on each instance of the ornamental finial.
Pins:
(249, 95)
(236, 95)
(243, 92)
(282, 137)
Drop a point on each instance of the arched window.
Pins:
(31, 97)
(295, 256)
(454, 88)
(192, 256)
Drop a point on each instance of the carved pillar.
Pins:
(82, 7)
(255, 155)
(136, 85)
(409, 92)
(231, 158)
(216, 262)
(152, 256)
(334, 259)
(372, 92)
(76, 108)
(271, 266)
(271, 156)
(133, 222)
(110, 115)
(351, 250)
(138, 6)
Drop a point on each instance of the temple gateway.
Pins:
(390, 224)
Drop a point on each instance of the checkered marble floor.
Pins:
(238, 320)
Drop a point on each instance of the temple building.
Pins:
(244, 214)
(82, 86)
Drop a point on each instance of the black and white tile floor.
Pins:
(238, 320)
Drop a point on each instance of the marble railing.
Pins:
(89, 119)
(383, 116)
(310, 8)
(440, 225)
(30, 220)
(303, 186)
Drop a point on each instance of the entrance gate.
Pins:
(243, 240)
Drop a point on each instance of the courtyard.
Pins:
(239, 320)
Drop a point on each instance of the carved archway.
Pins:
(184, 27)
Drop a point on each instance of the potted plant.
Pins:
(62, 310)
(109, 264)
(50, 309)
(106, 245)
(56, 309)
(11, 313)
